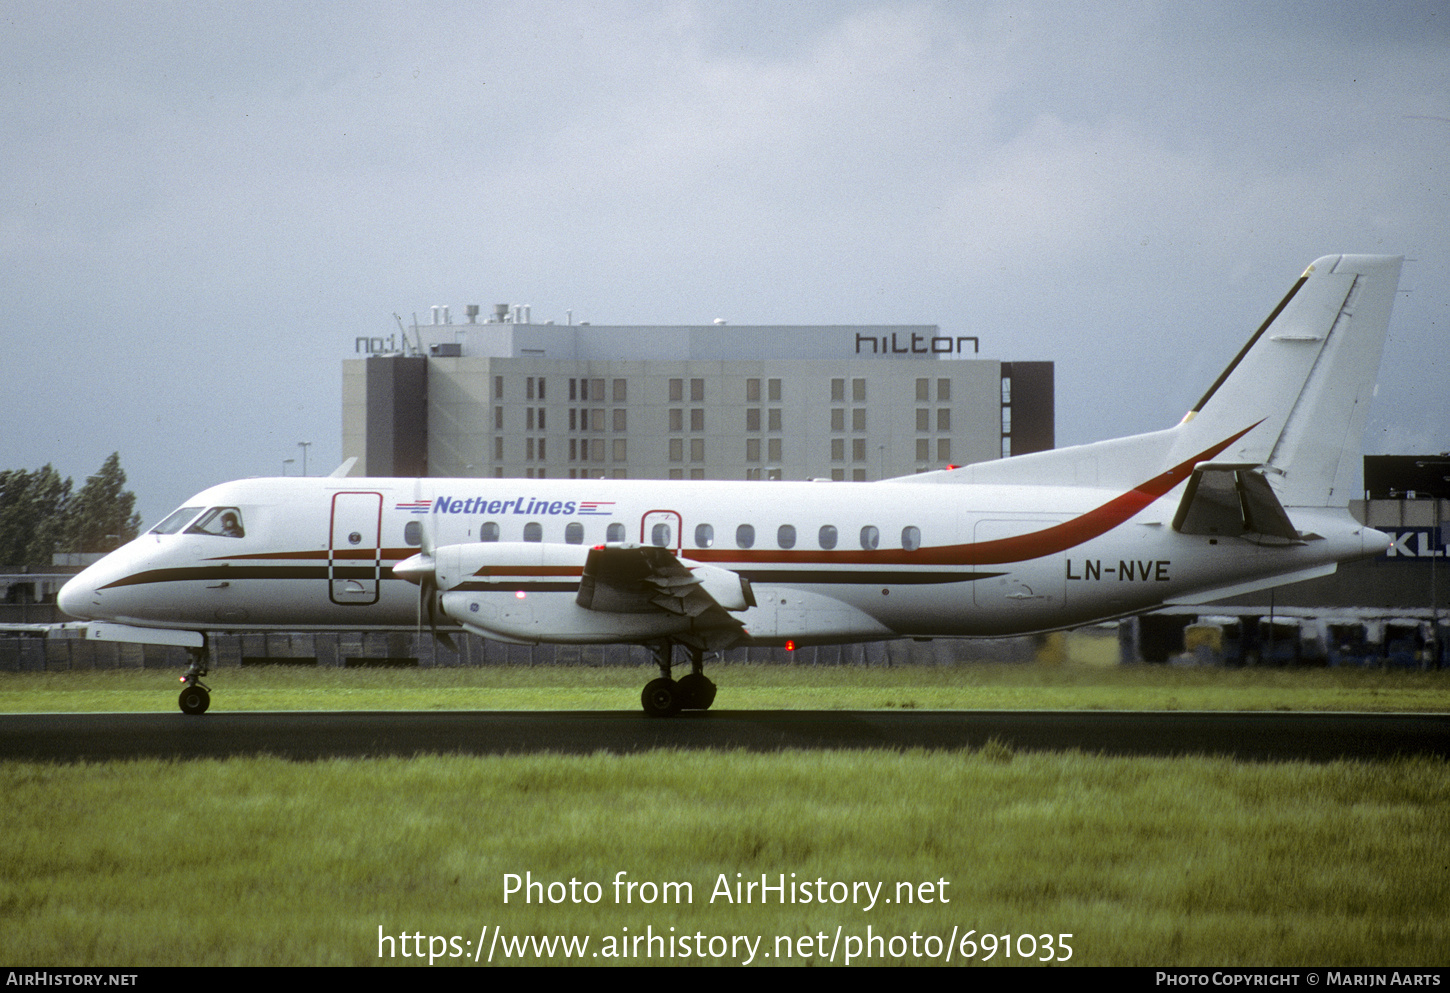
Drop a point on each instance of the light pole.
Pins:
(303, 445)
(285, 464)
(1436, 546)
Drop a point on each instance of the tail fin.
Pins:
(1303, 382)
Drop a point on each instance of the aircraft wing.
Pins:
(644, 579)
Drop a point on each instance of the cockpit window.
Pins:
(224, 522)
(176, 521)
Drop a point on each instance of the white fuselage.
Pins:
(826, 562)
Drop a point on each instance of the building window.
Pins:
(498, 387)
(773, 450)
(943, 389)
(752, 449)
(838, 419)
(752, 418)
(620, 452)
(529, 419)
(752, 391)
(621, 391)
(922, 386)
(923, 418)
(677, 390)
(620, 416)
(596, 389)
(858, 391)
(677, 419)
(697, 390)
(774, 418)
(838, 390)
(697, 419)
(858, 419)
(923, 449)
(677, 450)
(774, 388)
(943, 449)
(697, 449)
(529, 390)
(944, 419)
(498, 449)
(1006, 389)
(498, 418)
(838, 449)
(858, 449)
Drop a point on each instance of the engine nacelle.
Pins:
(493, 566)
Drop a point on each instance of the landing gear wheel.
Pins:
(696, 692)
(194, 700)
(661, 698)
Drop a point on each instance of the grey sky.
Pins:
(206, 202)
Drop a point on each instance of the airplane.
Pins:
(1250, 490)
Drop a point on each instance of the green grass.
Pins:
(983, 686)
(1142, 861)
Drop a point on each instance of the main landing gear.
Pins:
(666, 697)
(195, 697)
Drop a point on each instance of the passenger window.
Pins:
(827, 536)
(785, 536)
(704, 535)
(659, 535)
(615, 532)
(745, 536)
(223, 522)
(870, 537)
(911, 538)
(488, 531)
(176, 520)
(413, 533)
(574, 533)
(533, 531)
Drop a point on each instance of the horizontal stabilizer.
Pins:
(1232, 501)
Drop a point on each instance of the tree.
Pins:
(40, 515)
(102, 516)
(33, 510)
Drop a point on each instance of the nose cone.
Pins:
(78, 597)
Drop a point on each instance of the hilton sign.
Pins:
(914, 344)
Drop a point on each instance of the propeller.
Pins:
(422, 571)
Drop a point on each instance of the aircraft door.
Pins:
(354, 556)
(661, 528)
(1035, 587)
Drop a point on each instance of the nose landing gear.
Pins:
(195, 697)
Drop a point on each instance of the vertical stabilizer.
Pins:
(1304, 381)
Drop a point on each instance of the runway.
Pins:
(310, 735)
